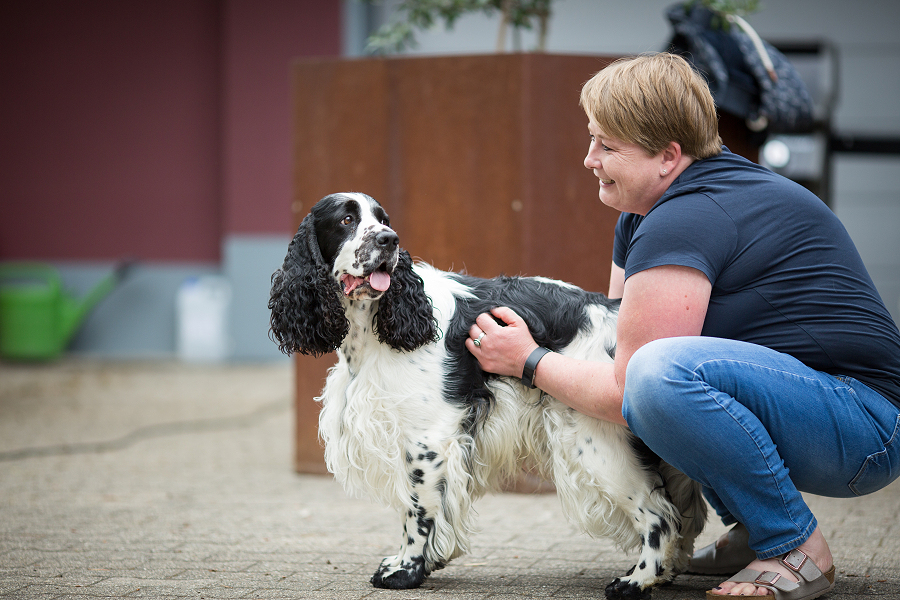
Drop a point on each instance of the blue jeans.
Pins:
(756, 427)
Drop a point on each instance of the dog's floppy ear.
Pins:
(307, 316)
(405, 318)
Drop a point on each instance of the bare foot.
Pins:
(815, 547)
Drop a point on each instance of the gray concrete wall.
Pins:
(139, 318)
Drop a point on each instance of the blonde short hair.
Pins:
(651, 100)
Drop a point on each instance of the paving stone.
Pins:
(163, 480)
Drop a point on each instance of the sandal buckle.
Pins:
(767, 578)
(794, 560)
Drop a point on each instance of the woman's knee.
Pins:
(649, 376)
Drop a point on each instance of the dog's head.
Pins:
(345, 250)
(356, 241)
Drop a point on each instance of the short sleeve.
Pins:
(688, 231)
(625, 226)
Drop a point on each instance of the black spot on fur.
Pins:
(554, 315)
(664, 527)
(649, 460)
(417, 477)
(653, 538)
(424, 526)
(659, 529)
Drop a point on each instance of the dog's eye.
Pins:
(347, 220)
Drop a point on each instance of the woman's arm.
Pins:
(660, 302)
(616, 282)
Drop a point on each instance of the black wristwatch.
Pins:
(531, 364)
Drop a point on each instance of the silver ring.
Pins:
(477, 341)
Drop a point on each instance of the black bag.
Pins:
(747, 76)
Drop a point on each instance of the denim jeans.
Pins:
(756, 427)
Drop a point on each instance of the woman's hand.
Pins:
(501, 350)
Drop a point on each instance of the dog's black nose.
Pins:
(386, 239)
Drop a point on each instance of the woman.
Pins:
(753, 351)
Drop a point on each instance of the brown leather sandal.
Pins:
(812, 584)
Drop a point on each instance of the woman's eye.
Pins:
(605, 148)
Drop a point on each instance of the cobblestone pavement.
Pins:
(161, 480)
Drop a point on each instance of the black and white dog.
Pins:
(410, 419)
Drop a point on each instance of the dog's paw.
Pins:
(623, 589)
(406, 575)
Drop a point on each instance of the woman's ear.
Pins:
(307, 315)
(405, 318)
(670, 159)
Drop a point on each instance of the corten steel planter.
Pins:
(477, 159)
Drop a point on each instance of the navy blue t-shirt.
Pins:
(784, 271)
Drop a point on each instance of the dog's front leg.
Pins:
(660, 546)
(423, 548)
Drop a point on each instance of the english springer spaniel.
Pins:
(410, 419)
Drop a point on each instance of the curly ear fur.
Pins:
(405, 318)
(307, 315)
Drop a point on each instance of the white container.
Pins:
(202, 308)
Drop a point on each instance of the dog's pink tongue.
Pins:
(380, 281)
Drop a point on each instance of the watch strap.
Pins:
(531, 364)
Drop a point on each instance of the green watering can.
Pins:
(37, 317)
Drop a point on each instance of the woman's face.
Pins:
(630, 180)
